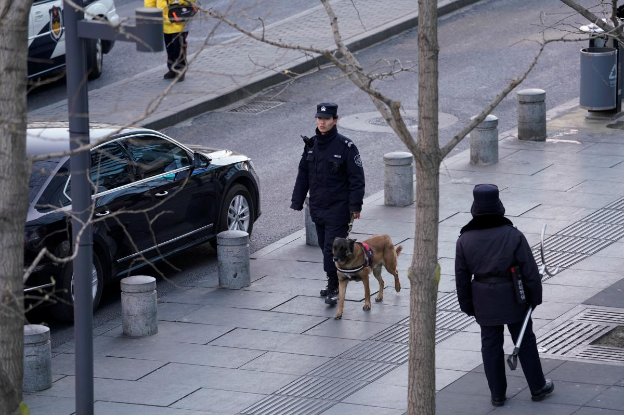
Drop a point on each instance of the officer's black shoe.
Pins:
(332, 296)
(324, 291)
(546, 389)
(169, 75)
(499, 401)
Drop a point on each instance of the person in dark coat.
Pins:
(487, 248)
(331, 170)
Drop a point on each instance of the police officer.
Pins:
(487, 248)
(331, 169)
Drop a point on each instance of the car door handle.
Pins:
(106, 212)
(165, 193)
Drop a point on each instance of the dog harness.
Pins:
(368, 260)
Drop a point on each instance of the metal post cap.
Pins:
(531, 95)
(488, 122)
(233, 238)
(150, 12)
(138, 284)
(398, 158)
(36, 333)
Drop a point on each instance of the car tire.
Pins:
(64, 293)
(95, 58)
(237, 205)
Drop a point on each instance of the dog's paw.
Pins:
(366, 307)
(398, 288)
(378, 299)
(337, 316)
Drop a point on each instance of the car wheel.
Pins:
(237, 212)
(64, 308)
(95, 58)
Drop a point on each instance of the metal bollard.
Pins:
(37, 358)
(139, 312)
(233, 256)
(398, 179)
(484, 142)
(310, 228)
(532, 115)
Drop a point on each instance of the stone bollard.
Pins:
(37, 358)
(398, 179)
(310, 228)
(139, 312)
(233, 256)
(532, 115)
(484, 142)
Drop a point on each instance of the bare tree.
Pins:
(13, 188)
(424, 273)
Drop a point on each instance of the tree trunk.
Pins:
(423, 273)
(13, 203)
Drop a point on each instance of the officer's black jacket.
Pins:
(332, 171)
(488, 247)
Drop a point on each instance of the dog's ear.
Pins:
(351, 244)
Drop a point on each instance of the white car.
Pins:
(46, 36)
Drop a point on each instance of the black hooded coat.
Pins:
(488, 247)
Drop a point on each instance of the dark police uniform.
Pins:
(331, 170)
(488, 247)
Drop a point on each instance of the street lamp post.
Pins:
(148, 35)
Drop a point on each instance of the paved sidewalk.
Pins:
(274, 347)
(227, 72)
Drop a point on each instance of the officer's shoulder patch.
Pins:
(348, 142)
(358, 160)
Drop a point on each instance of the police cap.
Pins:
(326, 110)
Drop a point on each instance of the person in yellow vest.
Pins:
(175, 37)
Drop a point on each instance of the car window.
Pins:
(39, 174)
(110, 167)
(155, 155)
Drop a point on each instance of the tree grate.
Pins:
(321, 388)
(594, 230)
(449, 302)
(288, 405)
(394, 334)
(365, 371)
(441, 335)
(602, 353)
(578, 245)
(256, 107)
(617, 205)
(569, 335)
(450, 320)
(557, 258)
(599, 315)
(615, 217)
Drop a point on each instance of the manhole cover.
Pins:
(256, 107)
(373, 122)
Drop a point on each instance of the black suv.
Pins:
(152, 197)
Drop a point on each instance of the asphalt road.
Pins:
(124, 61)
(481, 49)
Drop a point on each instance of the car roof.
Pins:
(53, 137)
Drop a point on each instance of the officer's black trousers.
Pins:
(326, 235)
(175, 43)
(494, 358)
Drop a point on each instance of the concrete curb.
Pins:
(303, 65)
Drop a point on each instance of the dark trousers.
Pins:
(326, 235)
(494, 358)
(176, 50)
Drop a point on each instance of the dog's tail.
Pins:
(398, 250)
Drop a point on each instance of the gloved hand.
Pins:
(296, 207)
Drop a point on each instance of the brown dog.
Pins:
(354, 263)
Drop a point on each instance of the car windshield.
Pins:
(39, 173)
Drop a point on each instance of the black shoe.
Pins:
(332, 296)
(499, 401)
(169, 75)
(325, 290)
(546, 389)
(181, 78)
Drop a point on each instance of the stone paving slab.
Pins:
(287, 268)
(114, 408)
(455, 404)
(285, 342)
(612, 398)
(523, 407)
(112, 390)
(219, 401)
(286, 363)
(355, 330)
(583, 278)
(599, 374)
(350, 409)
(50, 405)
(254, 300)
(476, 384)
(219, 378)
(570, 393)
(388, 396)
(597, 411)
(611, 297)
(253, 319)
(184, 333)
(107, 367)
(175, 311)
(302, 286)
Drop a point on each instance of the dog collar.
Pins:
(368, 259)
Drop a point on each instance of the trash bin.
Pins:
(598, 78)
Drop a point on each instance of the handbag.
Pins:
(178, 13)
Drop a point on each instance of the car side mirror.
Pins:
(200, 161)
